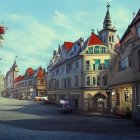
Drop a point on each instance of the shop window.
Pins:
(126, 95)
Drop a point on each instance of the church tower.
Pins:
(108, 33)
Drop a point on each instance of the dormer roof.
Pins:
(68, 46)
(94, 40)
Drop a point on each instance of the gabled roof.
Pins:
(68, 46)
(134, 21)
(94, 40)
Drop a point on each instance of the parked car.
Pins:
(65, 107)
(45, 100)
(37, 98)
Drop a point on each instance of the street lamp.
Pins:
(109, 95)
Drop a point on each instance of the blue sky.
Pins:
(37, 27)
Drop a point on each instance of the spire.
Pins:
(107, 21)
(14, 64)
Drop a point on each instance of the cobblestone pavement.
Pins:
(27, 120)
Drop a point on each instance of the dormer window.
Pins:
(90, 50)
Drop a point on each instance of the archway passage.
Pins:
(99, 103)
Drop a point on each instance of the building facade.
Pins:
(31, 84)
(9, 80)
(125, 74)
(79, 71)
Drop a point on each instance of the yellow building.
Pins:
(79, 71)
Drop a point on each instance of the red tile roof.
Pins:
(19, 78)
(29, 71)
(94, 40)
(68, 46)
(40, 73)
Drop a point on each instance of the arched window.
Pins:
(109, 38)
(112, 38)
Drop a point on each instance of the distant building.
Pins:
(9, 80)
(31, 84)
(79, 71)
(1, 83)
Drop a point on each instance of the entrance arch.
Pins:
(99, 102)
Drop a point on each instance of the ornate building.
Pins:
(79, 71)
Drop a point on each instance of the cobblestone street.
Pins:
(28, 120)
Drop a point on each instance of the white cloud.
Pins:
(28, 39)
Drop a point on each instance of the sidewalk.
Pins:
(97, 114)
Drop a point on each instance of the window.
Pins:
(42, 81)
(98, 80)
(106, 64)
(103, 49)
(76, 81)
(90, 50)
(57, 72)
(57, 84)
(94, 81)
(109, 38)
(87, 65)
(96, 49)
(124, 63)
(88, 81)
(76, 65)
(69, 81)
(96, 65)
(139, 58)
(104, 80)
(112, 38)
(64, 82)
(126, 95)
(138, 29)
(68, 67)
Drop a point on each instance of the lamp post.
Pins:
(109, 99)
